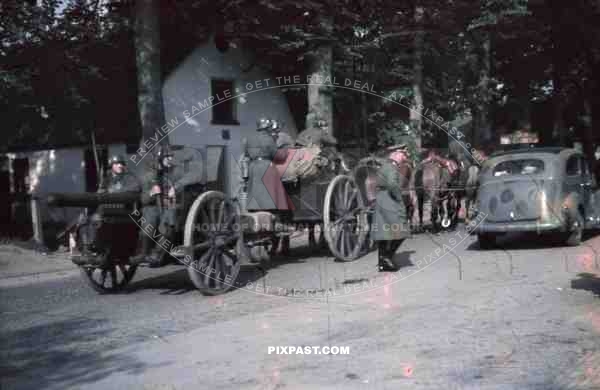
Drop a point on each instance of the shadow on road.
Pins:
(178, 282)
(172, 283)
(587, 282)
(402, 259)
(61, 354)
(530, 241)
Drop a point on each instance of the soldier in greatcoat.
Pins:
(265, 189)
(390, 225)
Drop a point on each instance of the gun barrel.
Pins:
(90, 199)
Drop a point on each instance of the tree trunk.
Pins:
(416, 111)
(559, 132)
(147, 45)
(484, 131)
(320, 102)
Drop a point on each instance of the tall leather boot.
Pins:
(384, 255)
(161, 256)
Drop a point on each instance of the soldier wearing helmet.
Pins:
(265, 191)
(119, 179)
(90, 230)
(159, 210)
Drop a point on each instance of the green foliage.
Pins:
(62, 72)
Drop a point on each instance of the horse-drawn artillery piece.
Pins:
(106, 236)
(219, 231)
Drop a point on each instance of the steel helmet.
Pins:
(275, 125)
(118, 159)
(264, 124)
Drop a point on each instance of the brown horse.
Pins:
(472, 182)
(471, 190)
(431, 182)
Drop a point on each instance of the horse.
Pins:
(457, 191)
(431, 181)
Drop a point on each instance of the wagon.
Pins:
(252, 235)
(540, 190)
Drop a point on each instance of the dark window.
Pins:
(573, 166)
(223, 109)
(519, 167)
(21, 175)
(221, 42)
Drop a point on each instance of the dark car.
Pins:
(541, 190)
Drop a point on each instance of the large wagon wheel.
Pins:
(110, 278)
(213, 236)
(345, 218)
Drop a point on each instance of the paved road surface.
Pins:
(523, 317)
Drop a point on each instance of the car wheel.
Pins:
(486, 240)
(575, 233)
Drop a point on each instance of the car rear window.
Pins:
(519, 167)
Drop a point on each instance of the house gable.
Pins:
(190, 87)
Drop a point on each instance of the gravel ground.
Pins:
(526, 316)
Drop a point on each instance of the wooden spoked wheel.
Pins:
(213, 238)
(108, 279)
(345, 218)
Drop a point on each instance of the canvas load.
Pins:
(304, 164)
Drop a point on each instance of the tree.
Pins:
(62, 71)
(148, 61)
(416, 112)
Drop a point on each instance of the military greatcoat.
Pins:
(390, 222)
(265, 189)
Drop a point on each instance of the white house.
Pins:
(207, 71)
(210, 72)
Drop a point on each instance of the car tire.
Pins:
(575, 233)
(486, 240)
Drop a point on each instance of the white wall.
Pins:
(60, 170)
(189, 84)
(56, 170)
